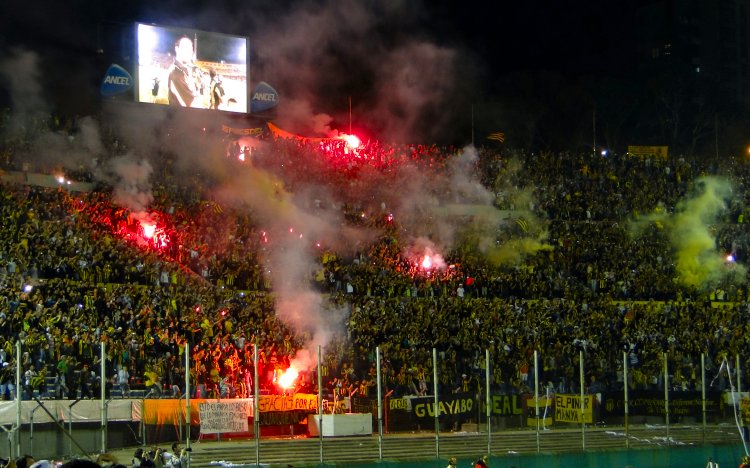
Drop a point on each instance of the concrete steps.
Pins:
(422, 446)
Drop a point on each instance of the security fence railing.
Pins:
(539, 400)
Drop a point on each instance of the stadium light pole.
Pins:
(716, 134)
(593, 122)
(472, 124)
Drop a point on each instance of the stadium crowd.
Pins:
(77, 270)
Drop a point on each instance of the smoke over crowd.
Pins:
(691, 229)
(403, 86)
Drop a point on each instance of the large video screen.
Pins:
(189, 68)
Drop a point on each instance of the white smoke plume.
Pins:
(81, 149)
(453, 207)
(20, 70)
(293, 231)
(316, 54)
(30, 125)
(132, 182)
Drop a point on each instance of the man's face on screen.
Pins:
(184, 50)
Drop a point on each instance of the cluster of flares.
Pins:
(344, 150)
(153, 230)
(347, 150)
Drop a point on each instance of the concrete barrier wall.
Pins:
(661, 457)
(49, 441)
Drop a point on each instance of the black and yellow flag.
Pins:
(523, 224)
(497, 136)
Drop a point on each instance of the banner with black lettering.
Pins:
(651, 403)
(457, 405)
(506, 405)
(409, 413)
(254, 132)
(568, 408)
(304, 402)
(281, 418)
(219, 417)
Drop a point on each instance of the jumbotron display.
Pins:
(190, 68)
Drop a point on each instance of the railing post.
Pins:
(625, 390)
(103, 395)
(666, 396)
(536, 398)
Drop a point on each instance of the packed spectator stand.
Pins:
(75, 273)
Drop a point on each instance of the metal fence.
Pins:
(487, 406)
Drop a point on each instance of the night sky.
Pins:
(572, 38)
(349, 48)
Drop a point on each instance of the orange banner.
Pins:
(169, 411)
(297, 402)
(257, 131)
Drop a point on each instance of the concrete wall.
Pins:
(49, 441)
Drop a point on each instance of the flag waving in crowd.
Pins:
(497, 136)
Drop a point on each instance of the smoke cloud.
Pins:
(452, 209)
(20, 70)
(317, 55)
(692, 232)
(131, 182)
(321, 54)
(400, 86)
(293, 231)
